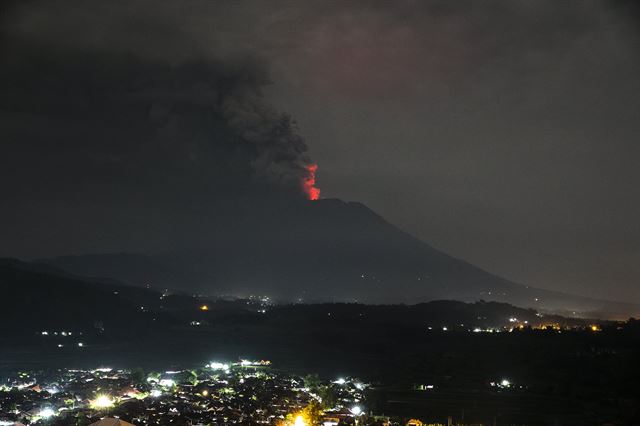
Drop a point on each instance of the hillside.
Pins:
(324, 251)
(36, 297)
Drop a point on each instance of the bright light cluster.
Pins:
(45, 413)
(102, 401)
(218, 366)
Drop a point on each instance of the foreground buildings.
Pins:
(246, 392)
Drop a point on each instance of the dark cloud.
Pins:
(113, 120)
(121, 118)
(126, 133)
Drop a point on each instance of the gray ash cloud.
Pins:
(88, 117)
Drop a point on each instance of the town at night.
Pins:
(245, 392)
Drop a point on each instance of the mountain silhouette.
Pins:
(322, 251)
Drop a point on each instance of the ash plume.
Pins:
(140, 102)
(205, 124)
(280, 152)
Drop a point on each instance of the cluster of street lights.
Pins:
(356, 410)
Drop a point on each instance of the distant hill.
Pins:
(324, 251)
(38, 292)
(37, 297)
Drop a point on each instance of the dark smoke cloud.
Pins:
(126, 95)
(279, 150)
(131, 119)
(121, 131)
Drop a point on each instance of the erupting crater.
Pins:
(308, 184)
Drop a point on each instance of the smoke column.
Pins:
(280, 152)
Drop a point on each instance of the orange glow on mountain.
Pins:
(308, 185)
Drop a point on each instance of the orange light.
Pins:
(204, 308)
(308, 184)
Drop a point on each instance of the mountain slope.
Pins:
(327, 250)
(39, 297)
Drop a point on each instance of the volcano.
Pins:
(322, 251)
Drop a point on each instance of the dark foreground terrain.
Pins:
(487, 363)
(573, 377)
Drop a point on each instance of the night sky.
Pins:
(502, 132)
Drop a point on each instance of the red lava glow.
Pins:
(308, 185)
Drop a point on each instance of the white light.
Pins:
(80, 344)
(156, 393)
(45, 413)
(218, 366)
(505, 383)
(444, 328)
(356, 410)
(102, 401)
(167, 382)
(340, 381)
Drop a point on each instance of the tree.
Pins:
(192, 377)
(138, 376)
(312, 382)
(328, 396)
(153, 375)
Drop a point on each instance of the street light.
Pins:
(356, 410)
(46, 413)
(102, 401)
